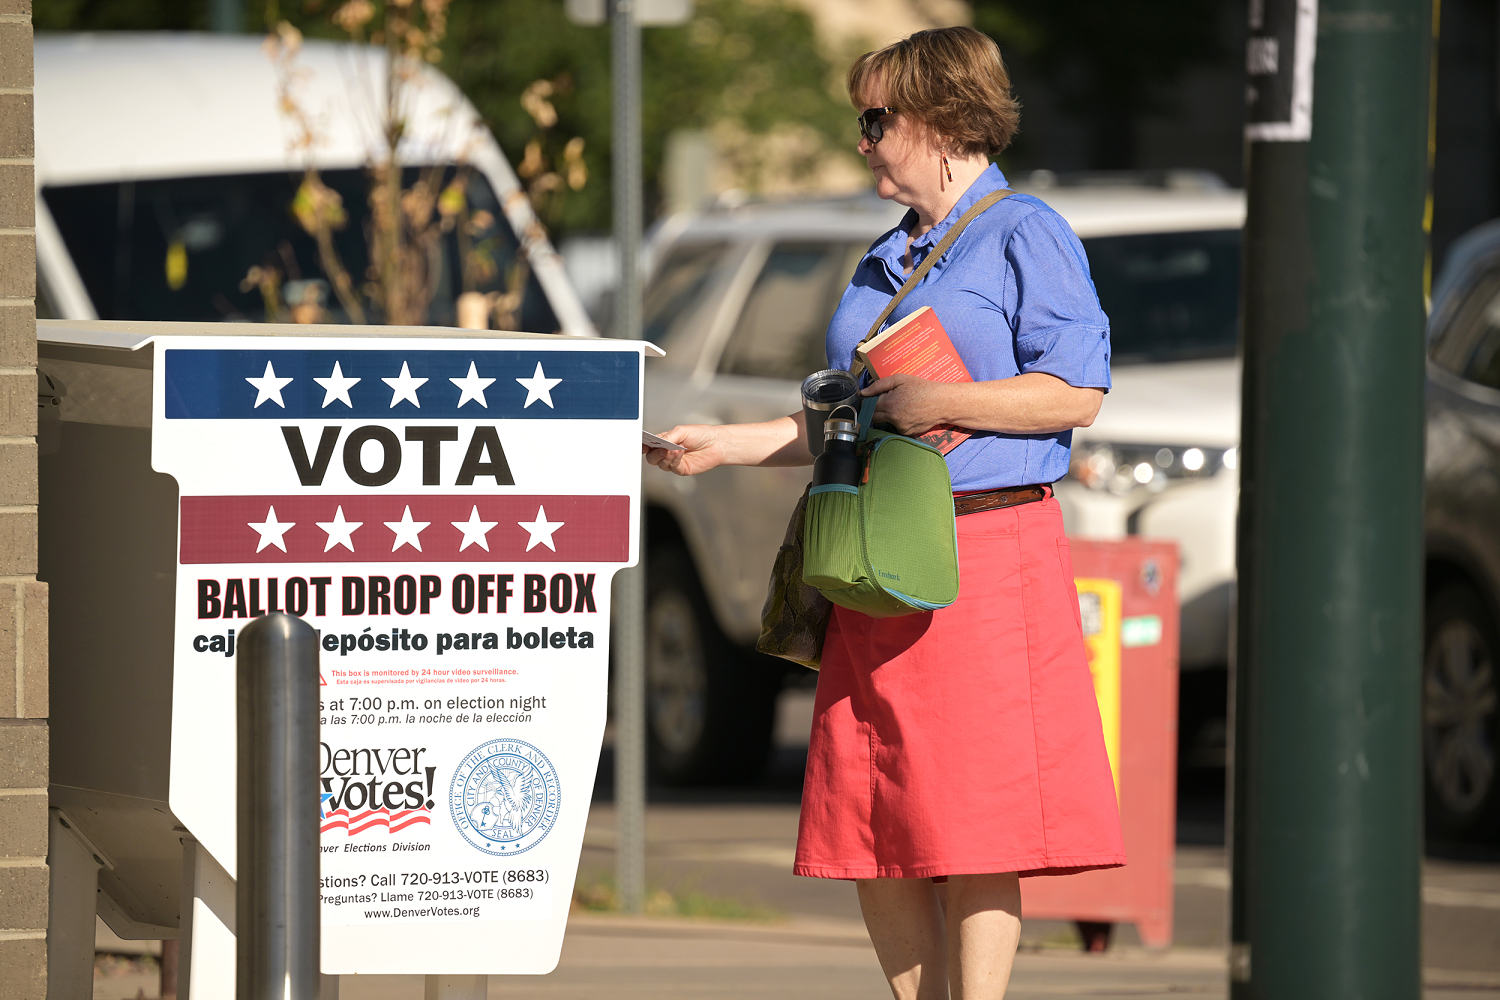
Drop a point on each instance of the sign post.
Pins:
(448, 513)
(1326, 823)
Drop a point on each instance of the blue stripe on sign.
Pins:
(237, 385)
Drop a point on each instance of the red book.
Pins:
(918, 345)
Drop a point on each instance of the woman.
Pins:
(954, 752)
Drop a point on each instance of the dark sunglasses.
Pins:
(869, 123)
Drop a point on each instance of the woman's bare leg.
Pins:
(983, 929)
(906, 928)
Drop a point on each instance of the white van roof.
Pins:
(149, 105)
(1119, 207)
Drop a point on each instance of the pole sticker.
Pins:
(1279, 61)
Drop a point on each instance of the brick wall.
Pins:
(23, 601)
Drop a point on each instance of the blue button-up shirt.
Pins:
(1014, 294)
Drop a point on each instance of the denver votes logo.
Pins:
(504, 797)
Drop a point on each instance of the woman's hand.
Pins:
(909, 404)
(701, 450)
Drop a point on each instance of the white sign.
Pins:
(449, 515)
(1279, 69)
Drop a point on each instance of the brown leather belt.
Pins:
(973, 503)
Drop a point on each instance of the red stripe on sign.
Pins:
(418, 528)
(340, 819)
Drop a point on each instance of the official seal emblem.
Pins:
(504, 797)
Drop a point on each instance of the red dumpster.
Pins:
(1128, 600)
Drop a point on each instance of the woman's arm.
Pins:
(782, 441)
(1029, 403)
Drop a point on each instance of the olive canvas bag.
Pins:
(889, 545)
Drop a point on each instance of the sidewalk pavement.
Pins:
(625, 958)
(610, 957)
(739, 848)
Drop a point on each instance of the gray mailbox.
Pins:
(108, 530)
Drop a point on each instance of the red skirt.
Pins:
(967, 740)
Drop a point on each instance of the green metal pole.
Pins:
(1327, 825)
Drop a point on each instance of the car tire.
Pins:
(710, 706)
(1461, 717)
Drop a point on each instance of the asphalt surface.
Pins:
(738, 844)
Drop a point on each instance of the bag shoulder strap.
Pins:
(856, 366)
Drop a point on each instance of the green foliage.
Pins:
(750, 66)
(746, 67)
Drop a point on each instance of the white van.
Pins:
(165, 172)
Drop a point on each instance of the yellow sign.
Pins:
(1099, 607)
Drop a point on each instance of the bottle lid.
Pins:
(840, 430)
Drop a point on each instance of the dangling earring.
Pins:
(947, 169)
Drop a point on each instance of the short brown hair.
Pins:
(950, 79)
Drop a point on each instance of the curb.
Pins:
(796, 930)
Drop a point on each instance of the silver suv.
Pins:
(1461, 658)
(740, 300)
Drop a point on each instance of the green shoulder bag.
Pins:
(887, 546)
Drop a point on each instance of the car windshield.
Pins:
(1169, 296)
(231, 247)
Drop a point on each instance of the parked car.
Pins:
(740, 300)
(166, 169)
(1461, 658)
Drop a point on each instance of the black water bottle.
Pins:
(839, 463)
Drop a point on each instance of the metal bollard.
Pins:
(277, 905)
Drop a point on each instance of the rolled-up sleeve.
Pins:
(1059, 326)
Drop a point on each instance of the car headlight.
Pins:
(1123, 468)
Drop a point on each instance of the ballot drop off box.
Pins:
(447, 510)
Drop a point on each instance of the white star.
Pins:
(336, 386)
(340, 531)
(272, 531)
(268, 386)
(404, 386)
(407, 531)
(539, 386)
(474, 530)
(541, 530)
(471, 386)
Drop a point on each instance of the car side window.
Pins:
(1470, 345)
(1169, 296)
(230, 247)
(676, 299)
(781, 329)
